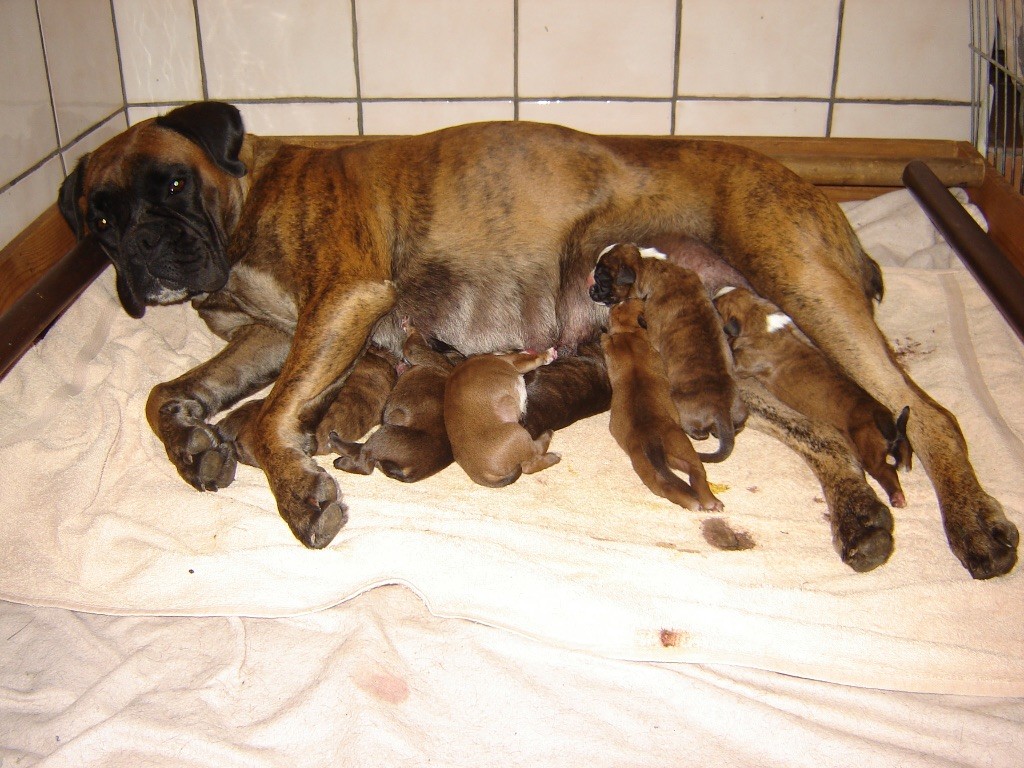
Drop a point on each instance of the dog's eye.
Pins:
(176, 186)
(101, 225)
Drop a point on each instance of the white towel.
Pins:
(581, 555)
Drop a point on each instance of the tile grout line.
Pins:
(202, 56)
(835, 70)
(53, 108)
(360, 127)
(675, 68)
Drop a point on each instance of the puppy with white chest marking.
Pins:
(767, 346)
(484, 401)
(644, 421)
(687, 333)
(412, 442)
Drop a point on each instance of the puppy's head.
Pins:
(161, 199)
(745, 314)
(615, 273)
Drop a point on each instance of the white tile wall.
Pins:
(726, 67)
(751, 118)
(893, 51)
(273, 49)
(159, 50)
(436, 48)
(610, 117)
(84, 71)
(402, 117)
(596, 48)
(764, 48)
(26, 117)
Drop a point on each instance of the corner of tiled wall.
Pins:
(76, 73)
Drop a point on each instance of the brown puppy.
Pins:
(566, 390)
(687, 333)
(484, 401)
(487, 232)
(355, 410)
(411, 443)
(644, 420)
(767, 346)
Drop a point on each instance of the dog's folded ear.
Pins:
(67, 199)
(213, 125)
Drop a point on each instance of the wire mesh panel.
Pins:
(997, 88)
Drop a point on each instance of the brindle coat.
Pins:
(644, 420)
(687, 332)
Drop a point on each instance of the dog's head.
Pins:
(615, 273)
(161, 200)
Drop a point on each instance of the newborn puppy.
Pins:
(411, 443)
(767, 346)
(355, 410)
(484, 402)
(644, 420)
(567, 390)
(687, 332)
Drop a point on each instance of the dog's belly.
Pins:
(493, 301)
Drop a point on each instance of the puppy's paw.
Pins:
(985, 541)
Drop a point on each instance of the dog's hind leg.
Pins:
(977, 529)
(861, 524)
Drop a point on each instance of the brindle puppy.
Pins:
(687, 333)
(355, 410)
(644, 421)
(567, 390)
(767, 346)
(412, 443)
(484, 401)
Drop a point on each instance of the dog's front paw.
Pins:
(203, 458)
(310, 503)
(862, 527)
(985, 541)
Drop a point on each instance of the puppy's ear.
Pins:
(67, 198)
(213, 125)
(625, 276)
(732, 327)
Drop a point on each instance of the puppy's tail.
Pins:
(726, 440)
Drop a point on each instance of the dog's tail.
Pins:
(726, 440)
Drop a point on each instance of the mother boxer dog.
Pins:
(483, 236)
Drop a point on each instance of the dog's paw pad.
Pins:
(870, 549)
(216, 468)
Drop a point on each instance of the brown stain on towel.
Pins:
(671, 638)
(719, 534)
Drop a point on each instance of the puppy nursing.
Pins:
(767, 346)
(644, 420)
(412, 443)
(687, 333)
(484, 401)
